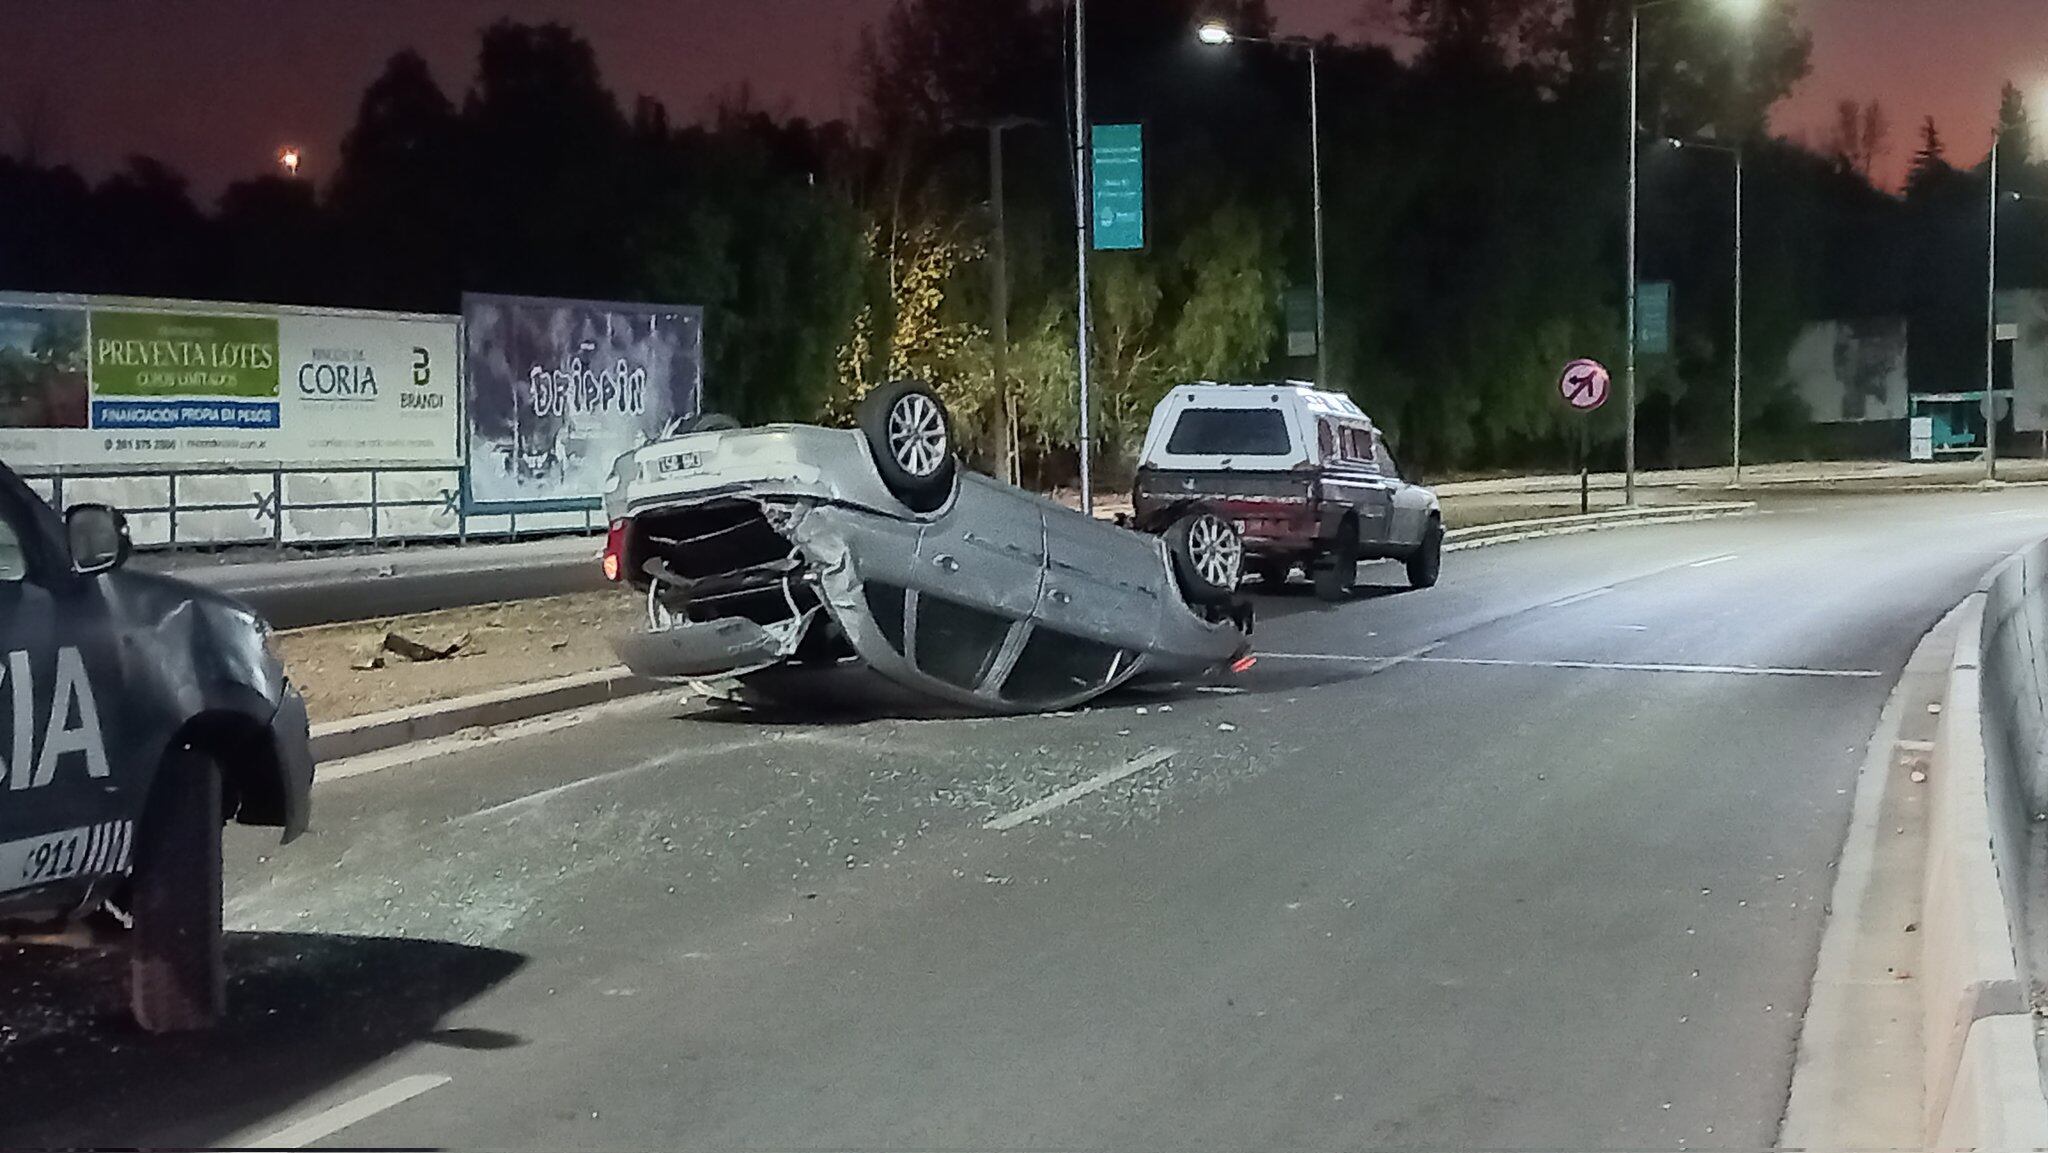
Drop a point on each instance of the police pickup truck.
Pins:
(141, 713)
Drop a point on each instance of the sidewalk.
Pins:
(1889, 473)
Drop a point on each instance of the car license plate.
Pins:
(88, 851)
(678, 462)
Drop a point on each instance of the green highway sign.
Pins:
(1117, 154)
(1653, 317)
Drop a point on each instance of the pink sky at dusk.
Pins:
(214, 86)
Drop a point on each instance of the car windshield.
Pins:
(1230, 432)
(1021, 575)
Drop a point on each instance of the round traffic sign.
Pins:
(1584, 384)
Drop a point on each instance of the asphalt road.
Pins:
(1536, 859)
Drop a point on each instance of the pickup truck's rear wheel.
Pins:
(1428, 558)
(1208, 556)
(1336, 572)
(176, 975)
(911, 437)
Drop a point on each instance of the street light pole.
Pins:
(1628, 359)
(1315, 153)
(1084, 219)
(1216, 33)
(1736, 455)
(1991, 326)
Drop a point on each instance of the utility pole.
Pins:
(1084, 219)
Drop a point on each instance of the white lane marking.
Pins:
(331, 1121)
(657, 761)
(1631, 628)
(483, 738)
(1594, 666)
(1654, 667)
(1711, 561)
(1580, 598)
(1137, 764)
(540, 795)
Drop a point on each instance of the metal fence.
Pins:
(284, 507)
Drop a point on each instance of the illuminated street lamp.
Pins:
(288, 159)
(1741, 9)
(1218, 34)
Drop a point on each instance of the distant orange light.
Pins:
(288, 159)
(611, 566)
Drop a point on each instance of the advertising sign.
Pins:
(1117, 161)
(2026, 311)
(558, 389)
(1920, 438)
(1851, 371)
(1653, 317)
(167, 384)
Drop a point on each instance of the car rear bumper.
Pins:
(728, 646)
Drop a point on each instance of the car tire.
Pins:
(910, 435)
(1336, 574)
(1427, 561)
(177, 976)
(1207, 555)
(709, 422)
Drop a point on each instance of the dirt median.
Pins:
(493, 646)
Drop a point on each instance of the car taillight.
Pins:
(614, 550)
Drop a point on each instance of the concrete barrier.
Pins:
(1476, 536)
(1982, 1068)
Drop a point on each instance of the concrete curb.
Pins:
(1477, 536)
(1981, 1067)
(375, 732)
(1967, 964)
(1836, 1070)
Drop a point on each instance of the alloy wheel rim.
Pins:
(1217, 552)
(917, 434)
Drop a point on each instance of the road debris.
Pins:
(414, 649)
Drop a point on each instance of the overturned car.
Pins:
(789, 547)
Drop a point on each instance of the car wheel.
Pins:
(911, 438)
(1337, 572)
(1208, 556)
(1428, 559)
(176, 976)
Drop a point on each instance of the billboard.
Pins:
(558, 389)
(87, 384)
(1851, 370)
(2027, 312)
